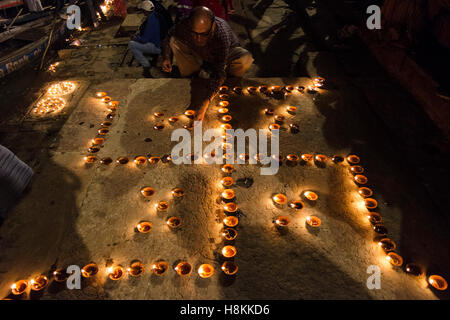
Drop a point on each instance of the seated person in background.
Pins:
(148, 38)
(184, 8)
(205, 45)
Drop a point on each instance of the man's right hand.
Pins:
(167, 65)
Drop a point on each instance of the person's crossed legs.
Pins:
(138, 49)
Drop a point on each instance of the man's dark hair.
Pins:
(202, 12)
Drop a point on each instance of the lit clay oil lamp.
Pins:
(93, 149)
(224, 104)
(356, 169)
(39, 283)
(438, 282)
(113, 103)
(224, 96)
(226, 126)
(226, 118)
(223, 89)
(60, 275)
(158, 114)
(162, 206)
(353, 159)
(313, 221)
(183, 268)
(122, 160)
(300, 89)
(244, 157)
(320, 159)
(189, 113)
(147, 191)
(295, 128)
(361, 179)
(279, 199)
(292, 159)
(110, 116)
(227, 146)
(229, 268)
(263, 89)
(279, 119)
(19, 287)
(135, 269)
(223, 110)
(237, 90)
(227, 195)
(154, 160)
(227, 181)
(260, 157)
(380, 229)
(106, 99)
(174, 222)
(140, 160)
(395, 259)
(177, 192)
(413, 269)
(98, 141)
(229, 234)
(306, 157)
(158, 127)
(230, 208)
(269, 112)
(231, 221)
(227, 168)
(160, 268)
(229, 251)
(103, 131)
(90, 159)
(89, 270)
(310, 195)
(106, 161)
(106, 123)
(173, 119)
(370, 203)
(274, 126)
(116, 273)
(205, 271)
(337, 159)
(144, 226)
(365, 192)
(276, 89)
(100, 94)
(387, 244)
(296, 204)
(291, 109)
(112, 108)
(289, 89)
(375, 218)
(282, 222)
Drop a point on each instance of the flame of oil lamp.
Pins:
(353, 159)
(312, 196)
(274, 126)
(251, 90)
(370, 203)
(230, 207)
(224, 96)
(100, 94)
(321, 158)
(356, 169)
(223, 89)
(413, 269)
(39, 283)
(227, 181)
(226, 126)
(380, 229)
(183, 268)
(395, 259)
(297, 204)
(229, 251)
(313, 221)
(307, 157)
(374, 218)
(19, 287)
(244, 156)
(189, 113)
(229, 268)
(228, 194)
(269, 112)
(300, 88)
(226, 118)
(93, 149)
(116, 273)
(291, 109)
(289, 88)
(154, 160)
(136, 269)
(106, 124)
(98, 141)
(231, 221)
(103, 131)
(89, 270)
(60, 275)
(365, 192)
(144, 226)
(279, 198)
(279, 119)
(140, 160)
(292, 158)
(106, 99)
(112, 108)
(177, 192)
(387, 244)
(90, 159)
(106, 160)
(110, 116)
(158, 126)
(360, 179)
(173, 119)
(282, 221)
(229, 234)
(227, 168)
(205, 271)
(158, 114)
(160, 268)
(224, 104)
(174, 222)
(276, 89)
(147, 191)
(438, 282)
(237, 90)
(223, 110)
(113, 103)
(162, 206)
(337, 159)
(312, 89)
(122, 160)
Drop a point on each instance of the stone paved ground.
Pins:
(76, 214)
